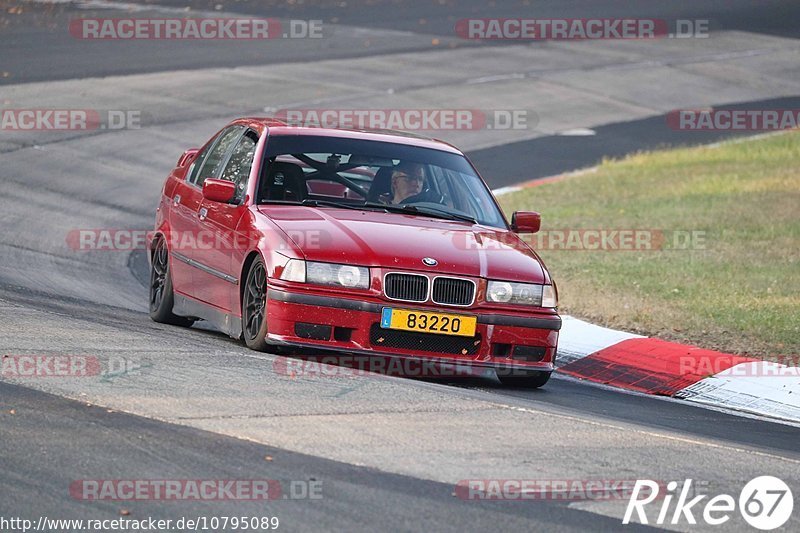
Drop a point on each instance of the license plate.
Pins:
(426, 322)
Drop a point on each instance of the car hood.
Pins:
(398, 241)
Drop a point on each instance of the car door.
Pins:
(219, 222)
(187, 238)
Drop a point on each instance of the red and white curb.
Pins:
(655, 366)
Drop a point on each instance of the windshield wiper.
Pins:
(444, 213)
(328, 203)
(426, 210)
(278, 202)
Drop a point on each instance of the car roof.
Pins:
(279, 127)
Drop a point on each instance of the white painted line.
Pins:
(577, 132)
(506, 190)
(499, 77)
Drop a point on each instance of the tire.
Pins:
(254, 307)
(532, 381)
(161, 296)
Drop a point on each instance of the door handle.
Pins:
(176, 201)
(202, 213)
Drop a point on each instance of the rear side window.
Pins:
(211, 166)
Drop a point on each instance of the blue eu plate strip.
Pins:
(386, 317)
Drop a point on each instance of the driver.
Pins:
(408, 179)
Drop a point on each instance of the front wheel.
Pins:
(254, 307)
(533, 380)
(161, 296)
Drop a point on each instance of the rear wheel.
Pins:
(161, 296)
(254, 307)
(532, 380)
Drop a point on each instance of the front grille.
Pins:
(408, 287)
(453, 291)
(423, 342)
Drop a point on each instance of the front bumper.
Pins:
(324, 322)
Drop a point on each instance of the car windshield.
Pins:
(346, 173)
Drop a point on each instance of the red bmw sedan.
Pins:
(357, 242)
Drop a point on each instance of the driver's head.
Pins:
(408, 179)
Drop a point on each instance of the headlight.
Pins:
(326, 274)
(500, 291)
(507, 292)
(351, 276)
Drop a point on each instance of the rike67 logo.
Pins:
(765, 503)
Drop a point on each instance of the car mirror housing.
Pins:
(217, 190)
(187, 156)
(526, 222)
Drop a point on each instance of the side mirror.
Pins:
(216, 190)
(187, 156)
(526, 222)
